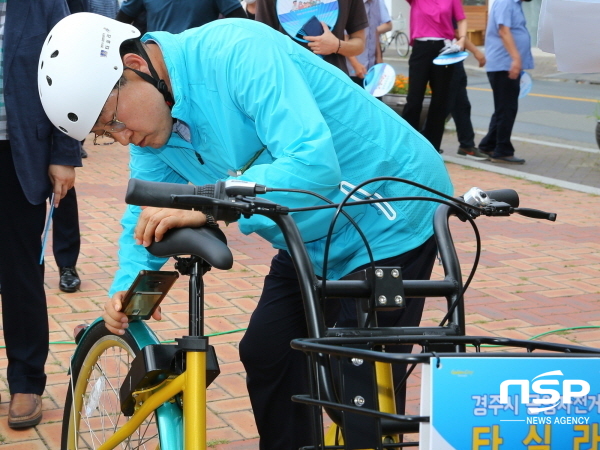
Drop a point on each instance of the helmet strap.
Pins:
(154, 80)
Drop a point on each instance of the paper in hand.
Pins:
(47, 228)
(451, 47)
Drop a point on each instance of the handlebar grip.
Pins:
(536, 214)
(152, 193)
(509, 196)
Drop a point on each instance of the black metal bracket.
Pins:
(357, 387)
(388, 292)
(155, 363)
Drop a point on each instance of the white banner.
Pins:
(569, 29)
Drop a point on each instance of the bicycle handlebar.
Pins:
(509, 196)
(160, 195)
(214, 199)
(502, 202)
(228, 200)
(231, 199)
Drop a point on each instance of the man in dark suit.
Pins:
(66, 241)
(36, 160)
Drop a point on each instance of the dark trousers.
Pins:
(358, 80)
(275, 371)
(460, 107)
(24, 313)
(66, 236)
(421, 71)
(506, 106)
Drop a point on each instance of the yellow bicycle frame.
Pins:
(192, 383)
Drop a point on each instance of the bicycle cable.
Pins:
(345, 202)
(350, 219)
(238, 330)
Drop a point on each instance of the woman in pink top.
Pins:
(431, 21)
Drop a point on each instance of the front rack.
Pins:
(355, 406)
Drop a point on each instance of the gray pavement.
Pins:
(545, 68)
(576, 168)
(556, 166)
(555, 162)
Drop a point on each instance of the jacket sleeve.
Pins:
(266, 84)
(132, 257)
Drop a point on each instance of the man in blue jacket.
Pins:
(235, 98)
(35, 160)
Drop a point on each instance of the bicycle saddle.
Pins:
(210, 244)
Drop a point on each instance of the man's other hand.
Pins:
(153, 223)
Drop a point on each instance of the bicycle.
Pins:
(162, 390)
(115, 377)
(397, 36)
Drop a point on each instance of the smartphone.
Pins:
(146, 292)
(312, 27)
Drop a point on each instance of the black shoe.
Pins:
(507, 159)
(473, 153)
(83, 153)
(69, 279)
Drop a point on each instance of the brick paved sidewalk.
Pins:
(534, 277)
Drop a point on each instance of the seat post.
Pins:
(196, 291)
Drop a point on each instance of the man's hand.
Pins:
(510, 46)
(480, 57)
(359, 69)
(326, 44)
(153, 223)
(515, 69)
(115, 321)
(62, 179)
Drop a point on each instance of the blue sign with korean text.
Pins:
(509, 403)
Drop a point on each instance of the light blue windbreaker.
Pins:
(240, 87)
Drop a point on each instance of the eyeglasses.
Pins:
(114, 126)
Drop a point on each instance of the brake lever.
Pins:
(257, 205)
(495, 209)
(504, 209)
(536, 214)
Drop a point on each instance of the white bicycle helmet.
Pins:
(79, 66)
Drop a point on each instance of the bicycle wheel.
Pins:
(402, 46)
(92, 407)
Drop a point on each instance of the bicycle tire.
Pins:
(401, 43)
(97, 370)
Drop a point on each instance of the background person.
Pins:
(508, 52)
(176, 16)
(107, 8)
(66, 242)
(347, 38)
(251, 9)
(35, 160)
(431, 22)
(459, 107)
(202, 104)
(379, 23)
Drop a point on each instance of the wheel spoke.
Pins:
(95, 412)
